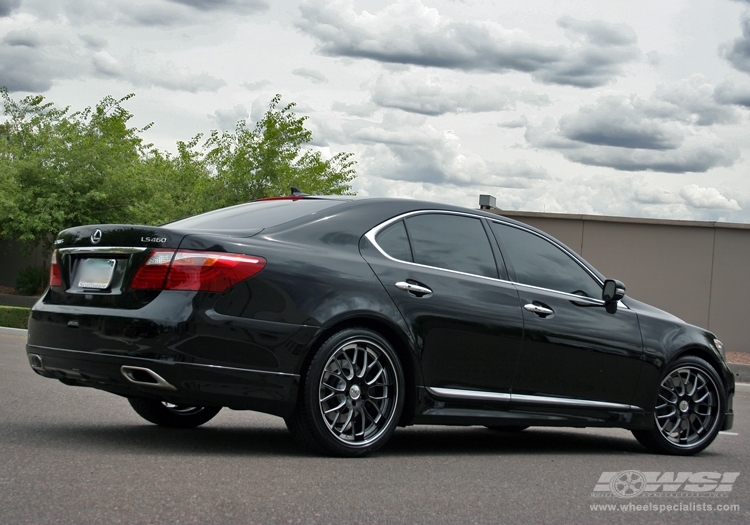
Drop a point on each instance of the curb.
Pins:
(13, 331)
(22, 301)
(741, 372)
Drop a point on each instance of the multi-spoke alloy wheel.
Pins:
(357, 392)
(171, 415)
(353, 395)
(689, 409)
(688, 406)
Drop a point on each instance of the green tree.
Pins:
(177, 185)
(268, 160)
(60, 169)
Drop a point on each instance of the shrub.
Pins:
(31, 280)
(14, 317)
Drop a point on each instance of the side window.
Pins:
(452, 242)
(394, 242)
(538, 262)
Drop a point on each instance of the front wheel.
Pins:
(689, 409)
(170, 415)
(352, 395)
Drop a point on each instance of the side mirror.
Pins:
(613, 291)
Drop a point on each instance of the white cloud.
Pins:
(430, 97)
(106, 64)
(255, 86)
(730, 92)
(8, 6)
(577, 107)
(738, 52)
(32, 59)
(227, 118)
(235, 6)
(313, 75)
(409, 32)
(520, 122)
(664, 133)
(699, 197)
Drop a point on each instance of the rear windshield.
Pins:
(259, 214)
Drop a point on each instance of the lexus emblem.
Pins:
(96, 236)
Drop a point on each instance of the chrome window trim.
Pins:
(478, 395)
(103, 249)
(370, 236)
(578, 298)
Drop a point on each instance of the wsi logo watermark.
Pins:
(632, 483)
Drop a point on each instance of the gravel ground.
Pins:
(742, 358)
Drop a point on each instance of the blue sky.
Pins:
(616, 107)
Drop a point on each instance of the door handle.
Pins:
(539, 310)
(413, 289)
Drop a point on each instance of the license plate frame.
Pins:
(95, 273)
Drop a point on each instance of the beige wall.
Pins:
(694, 270)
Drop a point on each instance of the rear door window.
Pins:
(453, 242)
(394, 241)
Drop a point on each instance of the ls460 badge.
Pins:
(154, 239)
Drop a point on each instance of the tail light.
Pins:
(195, 271)
(55, 276)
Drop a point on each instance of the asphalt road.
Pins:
(79, 456)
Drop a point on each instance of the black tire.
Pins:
(688, 410)
(508, 428)
(351, 396)
(174, 416)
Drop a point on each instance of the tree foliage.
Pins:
(267, 160)
(175, 186)
(60, 168)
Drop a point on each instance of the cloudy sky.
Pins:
(614, 107)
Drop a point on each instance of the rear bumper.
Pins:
(184, 383)
(199, 356)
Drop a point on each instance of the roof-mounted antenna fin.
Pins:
(296, 192)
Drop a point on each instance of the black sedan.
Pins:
(349, 317)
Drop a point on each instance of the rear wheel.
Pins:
(352, 395)
(688, 411)
(170, 415)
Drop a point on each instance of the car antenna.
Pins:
(296, 192)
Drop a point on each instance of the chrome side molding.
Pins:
(521, 398)
(468, 394)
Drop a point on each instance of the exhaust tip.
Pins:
(35, 360)
(145, 377)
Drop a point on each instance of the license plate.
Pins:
(95, 273)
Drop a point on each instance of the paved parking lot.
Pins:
(73, 455)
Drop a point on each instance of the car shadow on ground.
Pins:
(262, 441)
(479, 440)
